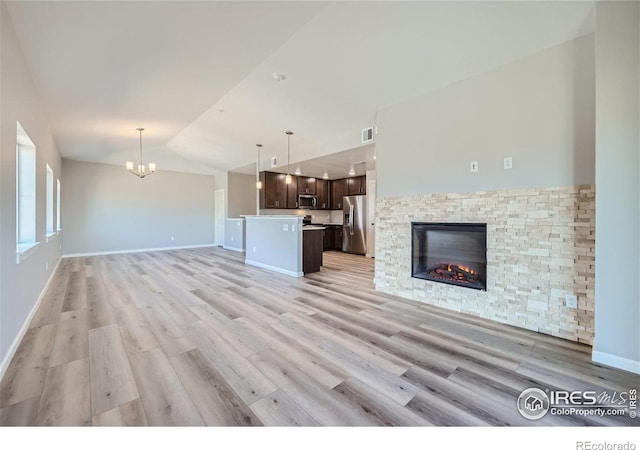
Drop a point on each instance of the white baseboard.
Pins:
(235, 249)
(4, 365)
(137, 250)
(291, 273)
(616, 361)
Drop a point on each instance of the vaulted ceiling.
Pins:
(198, 76)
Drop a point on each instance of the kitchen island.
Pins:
(276, 242)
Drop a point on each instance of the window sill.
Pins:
(50, 236)
(23, 251)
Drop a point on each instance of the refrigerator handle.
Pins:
(315, 202)
(351, 220)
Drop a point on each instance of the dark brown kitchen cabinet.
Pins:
(306, 185)
(332, 238)
(311, 251)
(337, 243)
(322, 191)
(338, 190)
(292, 193)
(357, 185)
(329, 238)
(275, 190)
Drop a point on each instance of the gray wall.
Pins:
(617, 314)
(269, 245)
(234, 234)
(21, 284)
(106, 209)
(241, 194)
(538, 110)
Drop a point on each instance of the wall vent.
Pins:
(367, 135)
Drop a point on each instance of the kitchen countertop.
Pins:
(312, 227)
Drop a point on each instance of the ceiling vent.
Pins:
(274, 161)
(367, 135)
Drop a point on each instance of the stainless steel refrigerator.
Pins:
(354, 225)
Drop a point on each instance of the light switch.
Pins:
(508, 163)
(474, 166)
(285, 227)
(571, 301)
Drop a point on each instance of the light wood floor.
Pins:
(195, 337)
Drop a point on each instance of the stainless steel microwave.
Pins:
(307, 201)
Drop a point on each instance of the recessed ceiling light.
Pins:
(279, 76)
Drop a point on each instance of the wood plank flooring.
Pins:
(195, 337)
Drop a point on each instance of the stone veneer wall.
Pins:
(540, 247)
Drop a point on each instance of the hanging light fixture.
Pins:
(352, 171)
(258, 182)
(325, 176)
(142, 171)
(288, 177)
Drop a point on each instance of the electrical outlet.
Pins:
(232, 239)
(474, 166)
(254, 249)
(508, 163)
(571, 301)
(293, 228)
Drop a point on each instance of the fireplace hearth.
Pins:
(451, 253)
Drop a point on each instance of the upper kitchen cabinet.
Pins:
(306, 186)
(357, 185)
(292, 192)
(322, 191)
(338, 190)
(274, 188)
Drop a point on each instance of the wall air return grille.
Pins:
(367, 135)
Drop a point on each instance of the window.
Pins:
(58, 205)
(25, 193)
(50, 230)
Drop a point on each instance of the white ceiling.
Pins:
(105, 68)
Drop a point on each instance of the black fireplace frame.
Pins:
(449, 226)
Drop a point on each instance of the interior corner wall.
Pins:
(21, 284)
(538, 110)
(241, 194)
(106, 209)
(617, 314)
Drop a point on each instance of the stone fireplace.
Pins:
(540, 247)
(451, 253)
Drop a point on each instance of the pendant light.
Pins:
(258, 182)
(141, 172)
(288, 177)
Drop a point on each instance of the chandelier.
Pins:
(141, 172)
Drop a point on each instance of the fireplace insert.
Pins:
(452, 253)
